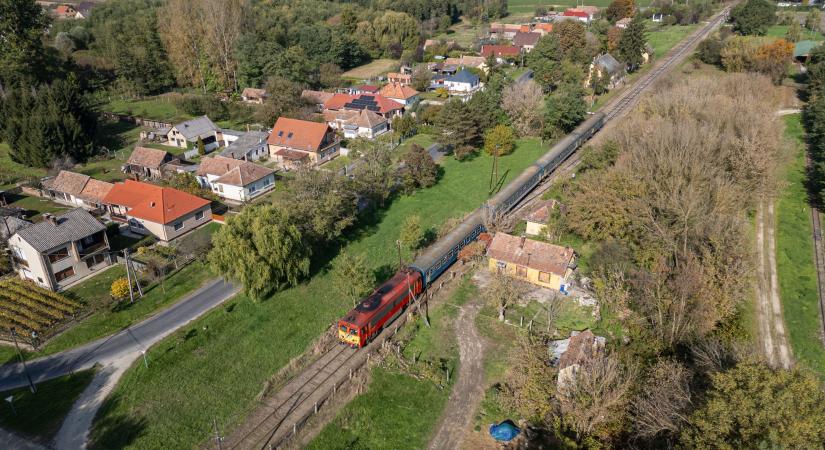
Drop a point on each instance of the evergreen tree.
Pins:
(632, 44)
(456, 125)
(201, 147)
(23, 58)
(53, 121)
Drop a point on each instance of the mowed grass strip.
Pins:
(214, 368)
(372, 69)
(795, 258)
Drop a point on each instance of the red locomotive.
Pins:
(366, 320)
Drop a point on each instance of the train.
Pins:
(364, 322)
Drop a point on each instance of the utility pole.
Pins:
(25, 367)
(400, 259)
(494, 171)
(134, 274)
(128, 276)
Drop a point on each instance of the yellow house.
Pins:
(540, 263)
(538, 217)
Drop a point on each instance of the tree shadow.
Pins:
(385, 272)
(115, 430)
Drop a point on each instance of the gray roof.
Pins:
(609, 63)
(71, 226)
(10, 225)
(246, 142)
(197, 127)
(465, 76)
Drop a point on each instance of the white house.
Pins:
(400, 93)
(249, 146)
(464, 82)
(187, 133)
(235, 179)
(76, 189)
(354, 124)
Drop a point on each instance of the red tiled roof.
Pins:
(576, 13)
(299, 134)
(367, 88)
(529, 253)
(499, 50)
(292, 155)
(339, 100)
(95, 190)
(397, 90)
(153, 203)
(235, 172)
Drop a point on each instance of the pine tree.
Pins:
(457, 126)
(545, 60)
(632, 45)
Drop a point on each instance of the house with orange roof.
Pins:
(355, 124)
(501, 53)
(400, 78)
(76, 189)
(235, 179)
(65, 12)
(375, 103)
(164, 212)
(295, 142)
(536, 262)
(401, 93)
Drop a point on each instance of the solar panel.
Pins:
(368, 97)
(373, 108)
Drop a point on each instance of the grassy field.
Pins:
(779, 31)
(529, 6)
(11, 171)
(794, 258)
(398, 411)
(160, 108)
(39, 415)
(36, 206)
(175, 400)
(662, 39)
(371, 69)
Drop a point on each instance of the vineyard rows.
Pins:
(28, 307)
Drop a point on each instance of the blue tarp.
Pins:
(505, 431)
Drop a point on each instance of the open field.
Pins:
(779, 31)
(372, 69)
(794, 258)
(662, 39)
(529, 6)
(39, 415)
(182, 391)
(11, 171)
(398, 411)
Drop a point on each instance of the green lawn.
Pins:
(40, 415)
(110, 318)
(36, 206)
(371, 69)
(175, 400)
(11, 172)
(398, 411)
(794, 258)
(779, 31)
(529, 6)
(160, 108)
(662, 39)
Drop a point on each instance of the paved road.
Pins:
(129, 342)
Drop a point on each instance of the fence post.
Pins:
(316, 407)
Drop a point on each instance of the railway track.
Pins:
(278, 417)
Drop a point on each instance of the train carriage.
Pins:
(441, 255)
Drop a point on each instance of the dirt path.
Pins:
(769, 308)
(469, 388)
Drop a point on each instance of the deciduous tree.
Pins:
(754, 406)
(753, 17)
(523, 103)
(418, 169)
(545, 60)
(352, 275)
(261, 248)
(564, 109)
(322, 204)
(412, 233)
(499, 140)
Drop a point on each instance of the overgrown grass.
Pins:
(662, 39)
(177, 398)
(35, 206)
(529, 6)
(11, 172)
(371, 69)
(794, 258)
(40, 415)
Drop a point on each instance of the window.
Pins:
(199, 215)
(63, 274)
(521, 271)
(544, 277)
(500, 265)
(59, 255)
(178, 225)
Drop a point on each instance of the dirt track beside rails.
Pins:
(469, 388)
